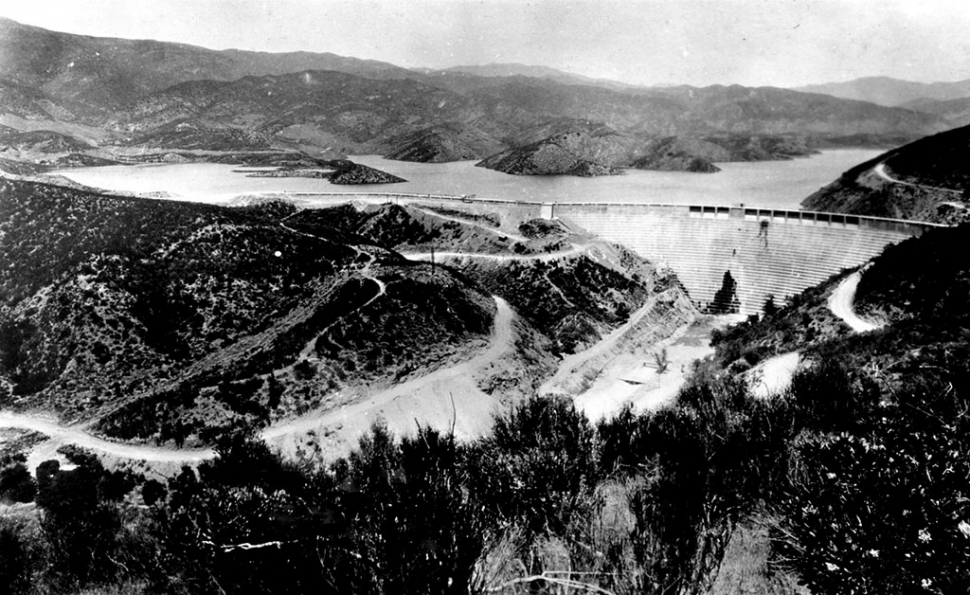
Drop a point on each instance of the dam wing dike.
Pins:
(767, 251)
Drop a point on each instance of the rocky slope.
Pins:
(924, 180)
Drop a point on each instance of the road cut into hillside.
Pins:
(841, 300)
(59, 435)
(446, 399)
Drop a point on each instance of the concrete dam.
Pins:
(766, 251)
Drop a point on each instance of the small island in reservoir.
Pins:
(338, 171)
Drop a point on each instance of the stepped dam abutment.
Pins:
(768, 252)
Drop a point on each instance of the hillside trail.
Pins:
(880, 170)
(774, 375)
(308, 351)
(841, 300)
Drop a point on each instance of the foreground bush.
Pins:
(884, 512)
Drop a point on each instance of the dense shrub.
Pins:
(884, 512)
(15, 558)
(16, 483)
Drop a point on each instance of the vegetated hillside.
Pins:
(670, 154)
(444, 143)
(891, 92)
(565, 154)
(190, 134)
(352, 112)
(880, 432)
(40, 141)
(177, 317)
(541, 72)
(101, 74)
(573, 299)
(932, 172)
(405, 229)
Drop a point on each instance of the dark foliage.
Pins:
(16, 560)
(16, 483)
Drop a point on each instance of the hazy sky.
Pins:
(749, 42)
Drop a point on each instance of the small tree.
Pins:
(661, 360)
(769, 308)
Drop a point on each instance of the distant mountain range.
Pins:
(892, 92)
(116, 95)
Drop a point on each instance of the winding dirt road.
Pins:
(882, 173)
(369, 408)
(841, 300)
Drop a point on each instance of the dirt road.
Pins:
(60, 435)
(841, 300)
(444, 398)
(545, 256)
(882, 173)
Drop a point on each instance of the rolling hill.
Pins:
(155, 95)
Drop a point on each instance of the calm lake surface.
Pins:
(768, 184)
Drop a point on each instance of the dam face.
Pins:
(767, 252)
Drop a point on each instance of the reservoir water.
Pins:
(767, 184)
